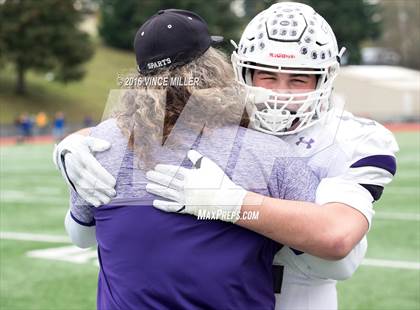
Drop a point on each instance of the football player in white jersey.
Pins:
(291, 50)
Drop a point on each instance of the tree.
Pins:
(353, 21)
(401, 20)
(43, 36)
(121, 19)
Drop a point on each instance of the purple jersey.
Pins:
(150, 259)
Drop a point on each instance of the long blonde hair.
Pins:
(151, 112)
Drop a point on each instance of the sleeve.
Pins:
(315, 267)
(372, 166)
(81, 235)
(80, 223)
(80, 210)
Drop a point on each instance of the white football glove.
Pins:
(73, 156)
(203, 191)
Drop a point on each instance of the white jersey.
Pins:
(355, 159)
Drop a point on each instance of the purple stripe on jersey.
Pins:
(385, 162)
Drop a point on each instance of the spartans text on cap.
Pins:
(159, 63)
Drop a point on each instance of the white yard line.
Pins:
(400, 216)
(402, 190)
(29, 197)
(38, 200)
(70, 254)
(391, 264)
(33, 237)
(76, 255)
(409, 158)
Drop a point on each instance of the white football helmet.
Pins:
(290, 38)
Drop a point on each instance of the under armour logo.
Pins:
(358, 120)
(308, 143)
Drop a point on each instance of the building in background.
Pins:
(383, 93)
(379, 56)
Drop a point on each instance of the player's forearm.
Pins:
(80, 235)
(329, 232)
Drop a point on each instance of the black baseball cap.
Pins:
(171, 38)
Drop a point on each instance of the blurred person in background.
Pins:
(26, 125)
(88, 121)
(155, 260)
(58, 126)
(290, 49)
(41, 121)
(18, 128)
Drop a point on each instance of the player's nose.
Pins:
(281, 86)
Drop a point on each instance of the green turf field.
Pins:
(34, 200)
